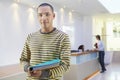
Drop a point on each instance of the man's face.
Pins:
(45, 16)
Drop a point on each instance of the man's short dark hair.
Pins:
(98, 36)
(46, 4)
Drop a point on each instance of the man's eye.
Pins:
(40, 15)
(47, 14)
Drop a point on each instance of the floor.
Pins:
(112, 73)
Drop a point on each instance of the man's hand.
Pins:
(35, 73)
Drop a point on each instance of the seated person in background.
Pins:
(81, 47)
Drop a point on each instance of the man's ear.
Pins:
(54, 15)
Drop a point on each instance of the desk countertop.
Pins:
(82, 53)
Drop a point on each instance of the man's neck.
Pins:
(47, 30)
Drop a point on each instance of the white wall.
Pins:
(87, 32)
(83, 32)
(17, 20)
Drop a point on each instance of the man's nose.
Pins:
(44, 17)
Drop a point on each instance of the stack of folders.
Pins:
(45, 65)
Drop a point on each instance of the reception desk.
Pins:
(83, 65)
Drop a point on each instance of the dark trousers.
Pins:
(101, 60)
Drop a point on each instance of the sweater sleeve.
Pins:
(25, 56)
(65, 59)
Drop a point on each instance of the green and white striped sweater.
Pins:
(41, 47)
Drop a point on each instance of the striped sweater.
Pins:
(41, 47)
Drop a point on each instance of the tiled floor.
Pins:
(112, 73)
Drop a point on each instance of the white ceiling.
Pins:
(82, 7)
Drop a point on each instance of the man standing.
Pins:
(44, 45)
(100, 48)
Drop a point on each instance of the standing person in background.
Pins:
(100, 48)
(46, 44)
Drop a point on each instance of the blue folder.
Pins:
(47, 64)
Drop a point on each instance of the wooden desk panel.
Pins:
(10, 70)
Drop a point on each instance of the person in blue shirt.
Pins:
(100, 49)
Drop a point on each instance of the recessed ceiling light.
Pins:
(64, 6)
(17, 1)
(73, 10)
(34, 6)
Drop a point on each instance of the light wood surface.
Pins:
(82, 53)
(10, 70)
